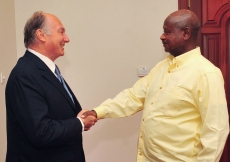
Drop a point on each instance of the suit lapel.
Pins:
(49, 75)
(53, 79)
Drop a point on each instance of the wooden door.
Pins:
(214, 40)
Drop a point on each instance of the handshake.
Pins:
(88, 118)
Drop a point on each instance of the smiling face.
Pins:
(55, 37)
(172, 38)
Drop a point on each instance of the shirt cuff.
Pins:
(81, 124)
(100, 112)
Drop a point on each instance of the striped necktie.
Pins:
(61, 79)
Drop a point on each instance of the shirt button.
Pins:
(160, 87)
(169, 71)
(143, 119)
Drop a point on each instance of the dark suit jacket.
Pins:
(41, 117)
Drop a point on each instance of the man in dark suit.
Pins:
(43, 117)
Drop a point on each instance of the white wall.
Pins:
(8, 59)
(110, 39)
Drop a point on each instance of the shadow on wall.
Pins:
(107, 131)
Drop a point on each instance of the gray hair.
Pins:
(37, 21)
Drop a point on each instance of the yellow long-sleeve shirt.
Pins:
(185, 115)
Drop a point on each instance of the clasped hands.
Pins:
(89, 118)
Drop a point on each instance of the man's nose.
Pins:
(162, 36)
(67, 40)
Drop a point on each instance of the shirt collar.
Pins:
(45, 59)
(181, 59)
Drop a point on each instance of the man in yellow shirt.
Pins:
(185, 116)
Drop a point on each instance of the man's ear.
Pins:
(187, 33)
(40, 35)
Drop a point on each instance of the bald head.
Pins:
(185, 18)
(180, 32)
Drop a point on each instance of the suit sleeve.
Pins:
(31, 108)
